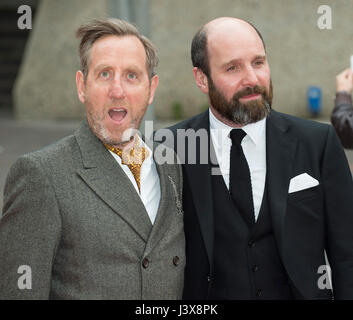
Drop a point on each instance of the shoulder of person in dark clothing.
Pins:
(342, 114)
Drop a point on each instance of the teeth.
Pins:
(118, 110)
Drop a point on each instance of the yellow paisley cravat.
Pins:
(133, 159)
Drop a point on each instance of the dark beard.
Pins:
(237, 112)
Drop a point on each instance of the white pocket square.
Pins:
(302, 182)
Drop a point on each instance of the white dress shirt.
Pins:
(254, 148)
(149, 183)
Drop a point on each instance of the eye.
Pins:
(259, 62)
(104, 74)
(231, 68)
(131, 76)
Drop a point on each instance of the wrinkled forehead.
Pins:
(113, 44)
(118, 51)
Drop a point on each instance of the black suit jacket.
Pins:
(305, 223)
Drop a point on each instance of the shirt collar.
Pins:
(141, 143)
(256, 131)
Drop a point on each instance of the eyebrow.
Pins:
(103, 66)
(260, 57)
(238, 60)
(100, 67)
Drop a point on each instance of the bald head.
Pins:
(224, 22)
(219, 28)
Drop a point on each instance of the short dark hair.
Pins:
(199, 54)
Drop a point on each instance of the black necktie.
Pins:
(239, 181)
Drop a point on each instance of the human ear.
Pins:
(81, 86)
(201, 79)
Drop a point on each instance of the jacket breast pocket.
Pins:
(305, 213)
(306, 194)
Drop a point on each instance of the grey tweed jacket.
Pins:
(74, 218)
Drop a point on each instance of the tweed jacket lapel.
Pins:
(170, 198)
(107, 179)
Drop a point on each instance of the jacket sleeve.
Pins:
(29, 232)
(338, 195)
(342, 119)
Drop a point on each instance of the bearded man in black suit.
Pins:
(274, 197)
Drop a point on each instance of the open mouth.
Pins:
(117, 114)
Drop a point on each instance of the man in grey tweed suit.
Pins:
(77, 222)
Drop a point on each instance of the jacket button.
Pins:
(259, 293)
(176, 260)
(208, 279)
(145, 263)
(251, 244)
(255, 268)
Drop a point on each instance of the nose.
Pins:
(116, 90)
(249, 78)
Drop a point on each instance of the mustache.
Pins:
(248, 91)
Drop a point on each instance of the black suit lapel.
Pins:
(280, 152)
(199, 178)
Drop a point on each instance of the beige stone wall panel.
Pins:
(300, 54)
(45, 87)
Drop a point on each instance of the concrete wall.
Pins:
(45, 87)
(300, 54)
